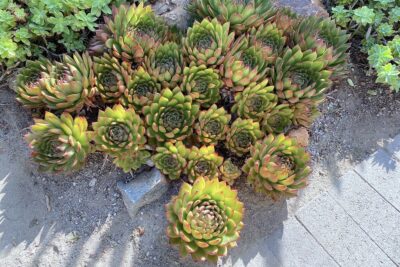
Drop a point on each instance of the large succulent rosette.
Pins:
(277, 166)
(59, 144)
(205, 219)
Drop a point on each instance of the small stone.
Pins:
(150, 163)
(144, 189)
(92, 182)
(301, 135)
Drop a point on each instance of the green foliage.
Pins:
(377, 23)
(28, 28)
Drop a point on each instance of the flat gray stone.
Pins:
(144, 189)
(394, 147)
(372, 213)
(340, 235)
(382, 172)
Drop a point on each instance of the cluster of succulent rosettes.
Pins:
(212, 125)
(171, 159)
(120, 133)
(203, 162)
(205, 219)
(255, 101)
(59, 144)
(59, 86)
(170, 117)
(242, 135)
(229, 171)
(277, 166)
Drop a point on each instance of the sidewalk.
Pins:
(355, 222)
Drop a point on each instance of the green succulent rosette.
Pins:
(300, 75)
(140, 90)
(278, 119)
(112, 77)
(270, 39)
(170, 159)
(277, 167)
(165, 64)
(207, 42)
(171, 116)
(202, 84)
(203, 162)
(304, 113)
(130, 33)
(255, 101)
(229, 171)
(212, 125)
(120, 133)
(59, 144)
(204, 219)
(69, 85)
(30, 83)
(242, 135)
(241, 14)
(244, 64)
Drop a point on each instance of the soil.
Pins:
(79, 219)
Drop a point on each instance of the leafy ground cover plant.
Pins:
(215, 104)
(377, 23)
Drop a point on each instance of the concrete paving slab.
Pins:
(382, 172)
(340, 236)
(394, 147)
(378, 218)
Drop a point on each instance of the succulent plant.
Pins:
(130, 34)
(70, 84)
(59, 144)
(305, 112)
(278, 119)
(205, 219)
(207, 43)
(243, 65)
(277, 166)
(170, 159)
(212, 125)
(30, 83)
(141, 90)
(270, 39)
(300, 75)
(202, 84)
(203, 162)
(256, 100)
(242, 135)
(323, 37)
(120, 133)
(165, 63)
(229, 171)
(171, 115)
(241, 14)
(112, 77)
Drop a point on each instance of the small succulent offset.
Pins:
(207, 43)
(255, 101)
(203, 162)
(277, 166)
(120, 133)
(242, 136)
(205, 219)
(212, 125)
(229, 171)
(59, 144)
(278, 119)
(170, 159)
(171, 115)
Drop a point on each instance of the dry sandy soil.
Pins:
(79, 219)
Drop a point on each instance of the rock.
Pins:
(301, 135)
(304, 7)
(145, 188)
(92, 182)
